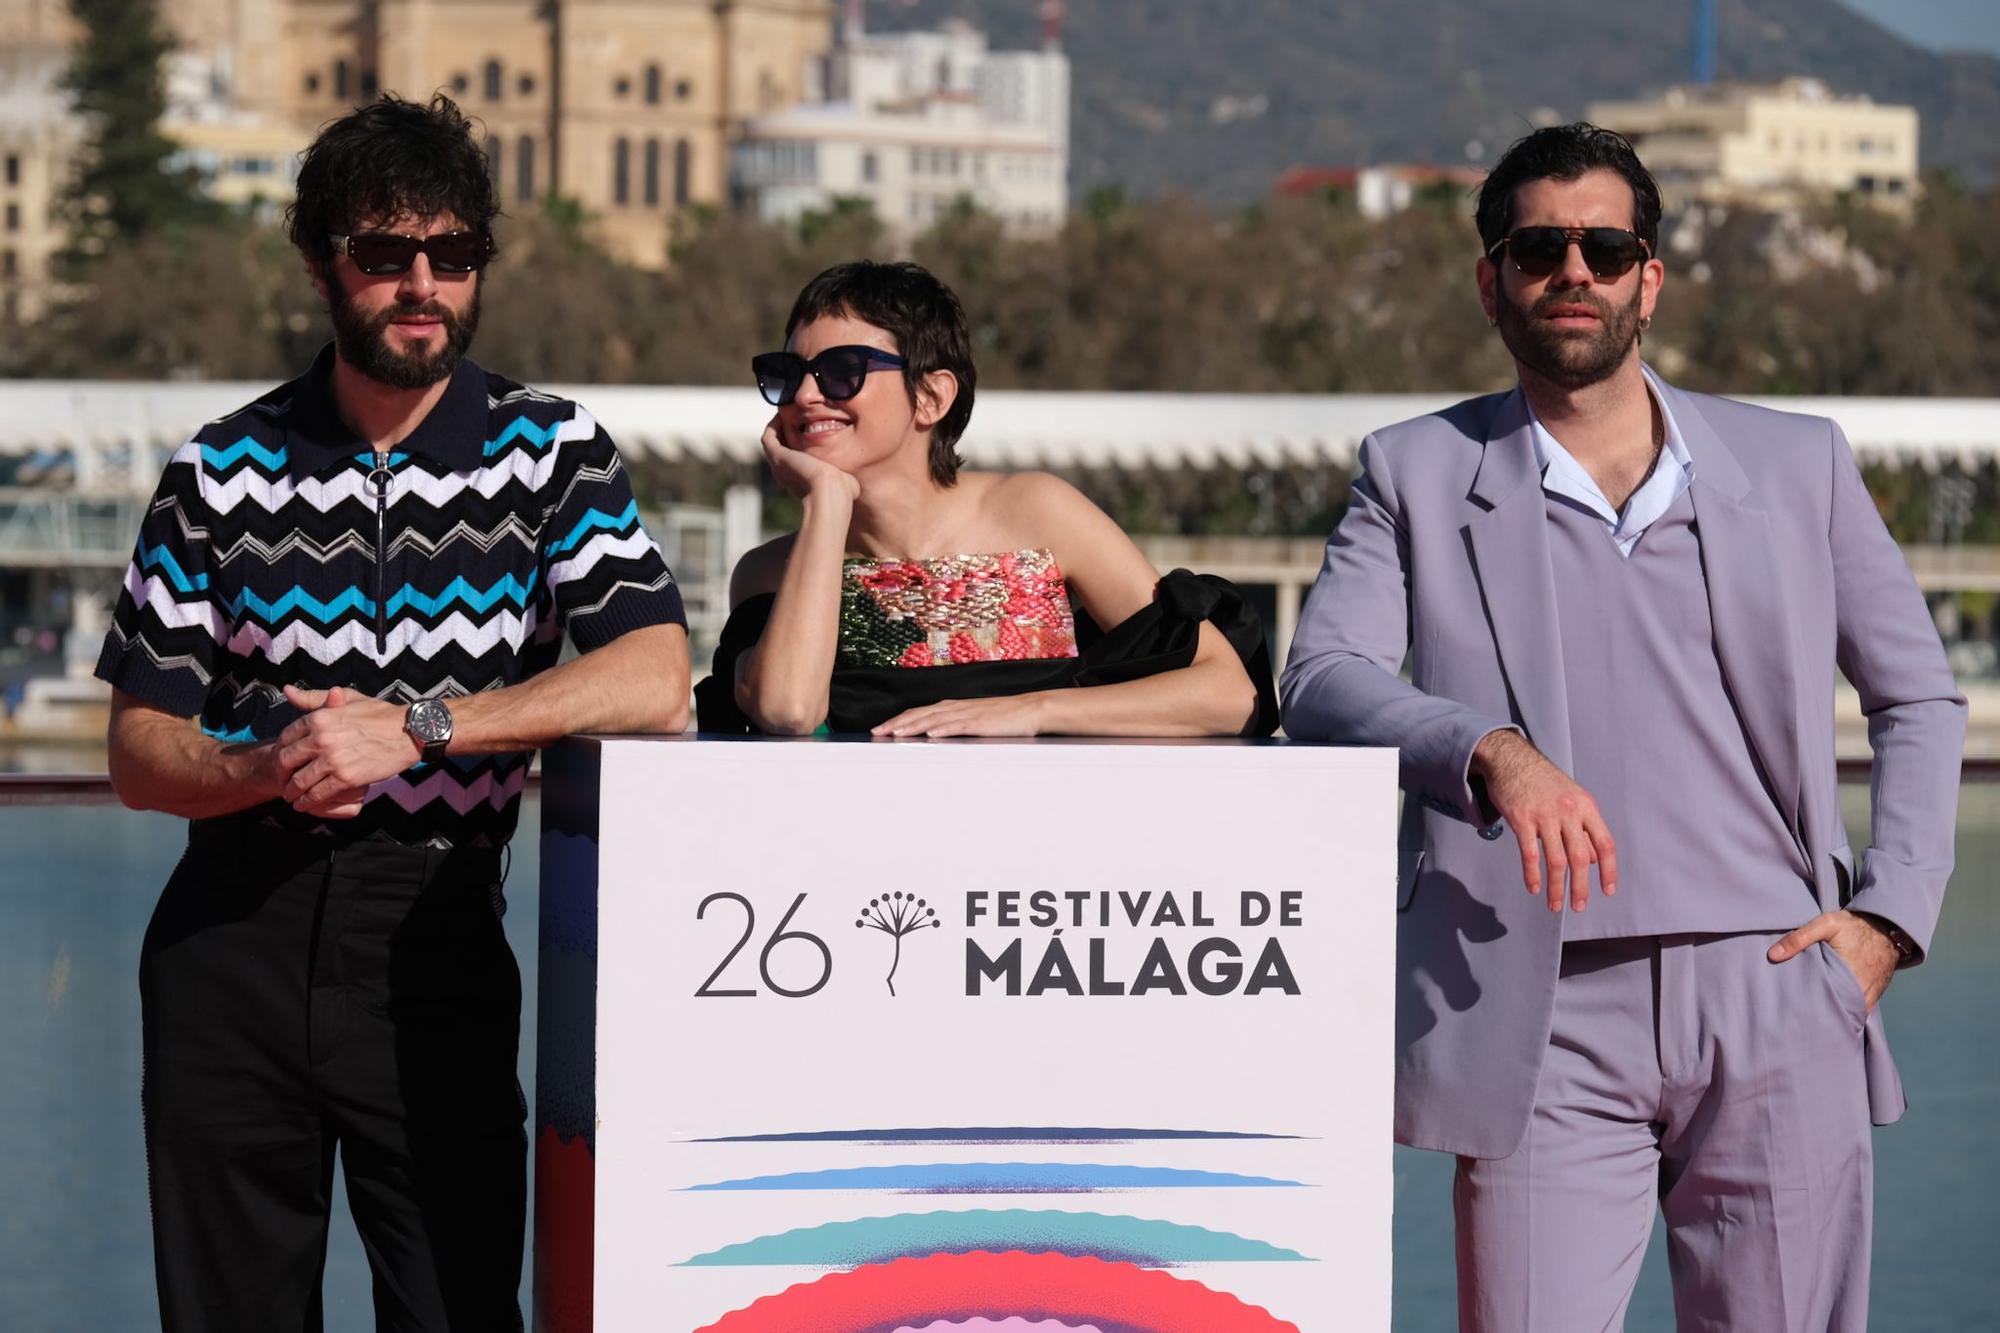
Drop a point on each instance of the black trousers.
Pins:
(296, 999)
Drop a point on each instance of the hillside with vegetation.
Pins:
(1217, 97)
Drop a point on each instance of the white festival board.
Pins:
(996, 1036)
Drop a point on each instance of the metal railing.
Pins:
(19, 789)
(43, 528)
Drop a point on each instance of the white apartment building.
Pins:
(246, 158)
(913, 123)
(1773, 146)
(39, 139)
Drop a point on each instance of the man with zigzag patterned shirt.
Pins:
(335, 655)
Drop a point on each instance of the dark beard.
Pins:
(363, 343)
(1570, 360)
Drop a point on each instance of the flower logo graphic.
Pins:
(896, 915)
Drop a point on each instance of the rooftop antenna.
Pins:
(1703, 41)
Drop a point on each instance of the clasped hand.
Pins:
(343, 744)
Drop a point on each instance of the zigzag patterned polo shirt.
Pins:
(280, 550)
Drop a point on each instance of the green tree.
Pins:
(125, 188)
(224, 302)
(556, 307)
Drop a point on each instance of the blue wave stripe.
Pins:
(1000, 1178)
(520, 428)
(509, 589)
(459, 590)
(349, 599)
(367, 458)
(160, 558)
(986, 1135)
(594, 520)
(272, 460)
(236, 737)
(874, 1240)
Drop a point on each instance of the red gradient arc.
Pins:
(1029, 1286)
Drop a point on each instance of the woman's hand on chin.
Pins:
(801, 474)
(1007, 715)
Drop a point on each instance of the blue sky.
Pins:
(1967, 25)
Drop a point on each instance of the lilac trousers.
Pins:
(1687, 1073)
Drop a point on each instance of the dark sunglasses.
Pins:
(378, 252)
(1609, 252)
(839, 371)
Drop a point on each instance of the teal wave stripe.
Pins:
(458, 591)
(161, 559)
(272, 460)
(1001, 1178)
(520, 428)
(875, 1240)
(594, 520)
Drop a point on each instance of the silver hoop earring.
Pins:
(1645, 322)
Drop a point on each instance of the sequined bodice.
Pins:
(950, 610)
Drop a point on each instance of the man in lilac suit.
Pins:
(1623, 606)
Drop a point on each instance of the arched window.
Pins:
(492, 88)
(496, 154)
(524, 168)
(343, 79)
(683, 169)
(621, 171)
(652, 195)
(652, 85)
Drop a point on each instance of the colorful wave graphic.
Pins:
(877, 1240)
(1003, 1325)
(1001, 1178)
(1071, 1290)
(982, 1134)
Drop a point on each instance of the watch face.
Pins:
(430, 721)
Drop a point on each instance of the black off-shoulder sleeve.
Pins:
(1162, 636)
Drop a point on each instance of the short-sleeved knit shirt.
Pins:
(268, 558)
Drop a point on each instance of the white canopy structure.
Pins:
(93, 426)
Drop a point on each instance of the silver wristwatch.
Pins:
(429, 723)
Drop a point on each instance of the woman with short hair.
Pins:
(917, 599)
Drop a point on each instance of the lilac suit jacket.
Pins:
(1444, 555)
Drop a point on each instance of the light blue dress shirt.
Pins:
(1564, 477)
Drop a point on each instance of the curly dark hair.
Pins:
(1566, 153)
(907, 302)
(387, 158)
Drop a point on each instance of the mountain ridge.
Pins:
(1216, 98)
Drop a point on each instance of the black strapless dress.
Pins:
(1160, 637)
